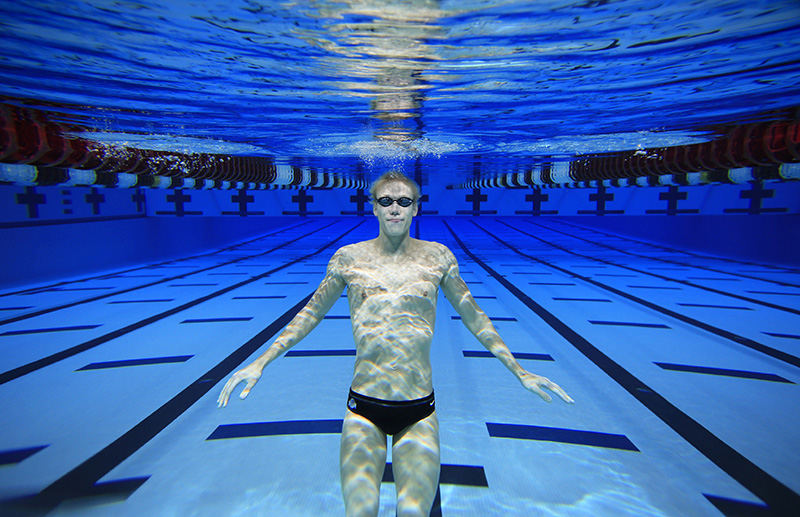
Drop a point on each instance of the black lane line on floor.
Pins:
(150, 266)
(192, 285)
(14, 456)
(54, 329)
(629, 324)
(16, 308)
(335, 317)
(321, 353)
(736, 508)
(555, 434)
(492, 318)
(517, 355)
(760, 347)
(265, 297)
(704, 268)
(255, 429)
(69, 352)
(581, 299)
(163, 280)
(667, 287)
(552, 283)
(64, 289)
(670, 279)
(773, 292)
(159, 300)
(135, 362)
(742, 374)
(780, 498)
(485, 297)
(83, 478)
(709, 306)
(216, 320)
(673, 250)
(778, 334)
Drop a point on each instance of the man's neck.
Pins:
(392, 245)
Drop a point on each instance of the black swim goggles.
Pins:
(387, 201)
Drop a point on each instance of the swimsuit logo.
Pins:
(430, 403)
(351, 403)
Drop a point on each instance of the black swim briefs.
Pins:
(391, 416)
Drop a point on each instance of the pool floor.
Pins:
(684, 370)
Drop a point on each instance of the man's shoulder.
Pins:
(437, 248)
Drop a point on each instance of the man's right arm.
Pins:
(304, 322)
(328, 291)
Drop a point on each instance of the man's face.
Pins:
(394, 220)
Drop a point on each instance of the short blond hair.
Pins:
(391, 176)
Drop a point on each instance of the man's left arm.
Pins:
(459, 296)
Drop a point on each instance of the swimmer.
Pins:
(392, 286)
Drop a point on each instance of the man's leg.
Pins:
(415, 465)
(362, 462)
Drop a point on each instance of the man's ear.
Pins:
(416, 209)
(374, 209)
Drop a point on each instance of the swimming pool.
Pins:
(614, 178)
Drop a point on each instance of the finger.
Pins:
(247, 389)
(561, 393)
(226, 392)
(541, 393)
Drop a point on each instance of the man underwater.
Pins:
(392, 286)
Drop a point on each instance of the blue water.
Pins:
(329, 84)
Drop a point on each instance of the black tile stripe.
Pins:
(463, 475)
(629, 324)
(733, 507)
(69, 352)
(555, 434)
(321, 353)
(14, 456)
(136, 362)
(335, 317)
(615, 275)
(778, 334)
(551, 283)
(743, 374)
(517, 355)
(778, 496)
(484, 297)
(656, 275)
(705, 305)
(53, 329)
(161, 281)
(749, 343)
(251, 430)
(16, 308)
(215, 320)
(157, 300)
(713, 278)
(266, 297)
(492, 318)
(581, 299)
(64, 289)
(773, 292)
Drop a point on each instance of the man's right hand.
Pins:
(249, 374)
